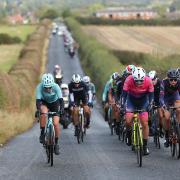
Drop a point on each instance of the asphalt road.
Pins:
(100, 157)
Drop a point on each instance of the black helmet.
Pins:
(172, 73)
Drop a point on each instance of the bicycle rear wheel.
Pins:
(139, 146)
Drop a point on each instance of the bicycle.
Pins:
(174, 137)
(137, 140)
(49, 140)
(155, 126)
(81, 126)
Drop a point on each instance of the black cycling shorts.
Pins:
(53, 107)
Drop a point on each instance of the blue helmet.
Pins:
(47, 80)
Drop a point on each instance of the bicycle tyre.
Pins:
(82, 127)
(138, 146)
(110, 121)
(51, 144)
(78, 135)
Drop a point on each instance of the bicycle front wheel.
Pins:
(51, 144)
(139, 146)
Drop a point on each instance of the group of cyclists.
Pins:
(136, 90)
(125, 93)
(49, 97)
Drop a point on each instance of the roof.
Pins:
(120, 10)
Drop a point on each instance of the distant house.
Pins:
(173, 15)
(16, 19)
(118, 13)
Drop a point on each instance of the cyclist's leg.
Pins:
(145, 130)
(76, 119)
(87, 112)
(167, 127)
(177, 104)
(161, 116)
(43, 109)
(106, 107)
(128, 118)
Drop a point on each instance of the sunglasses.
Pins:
(172, 79)
(139, 81)
(47, 88)
(154, 79)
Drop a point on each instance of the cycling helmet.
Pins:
(138, 75)
(47, 80)
(86, 79)
(64, 86)
(178, 71)
(76, 78)
(152, 75)
(115, 76)
(56, 66)
(129, 69)
(173, 73)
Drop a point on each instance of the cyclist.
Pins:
(91, 86)
(57, 72)
(169, 96)
(114, 93)
(137, 94)
(78, 92)
(157, 82)
(129, 69)
(105, 98)
(49, 97)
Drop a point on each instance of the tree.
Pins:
(50, 14)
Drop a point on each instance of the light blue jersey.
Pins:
(51, 97)
(106, 90)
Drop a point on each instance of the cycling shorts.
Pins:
(53, 107)
(170, 100)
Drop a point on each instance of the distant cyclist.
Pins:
(157, 83)
(114, 94)
(78, 92)
(90, 85)
(137, 94)
(169, 96)
(105, 98)
(49, 98)
(58, 76)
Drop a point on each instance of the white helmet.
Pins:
(138, 75)
(86, 79)
(57, 66)
(152, 75)
(115, 75)
(130, 68)
(76, 78)
(47, 80)
(64, 86)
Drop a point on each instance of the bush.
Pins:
(7, 39)
(130, 22)
(147, 61)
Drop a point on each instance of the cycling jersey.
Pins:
(51, 97)
(138, 96)
(115, 89)
(79, 93)
(168, 93)
(91, 87)
(157, 93)
(105, 91)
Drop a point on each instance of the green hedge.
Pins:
(147, 61)
(131, 22)
(7, 39)
(98, 62)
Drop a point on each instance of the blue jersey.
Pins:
(51, 97)
(106, 90)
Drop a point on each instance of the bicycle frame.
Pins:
(137, 126)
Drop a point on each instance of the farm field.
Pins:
(153, 40)
(9, 53)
